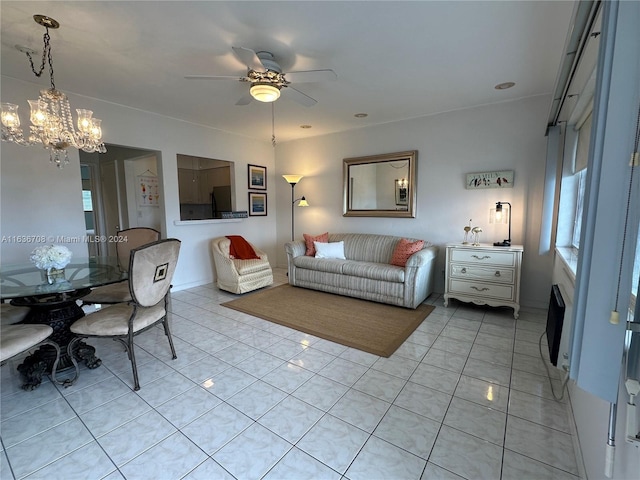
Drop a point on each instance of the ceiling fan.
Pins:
(267, 79)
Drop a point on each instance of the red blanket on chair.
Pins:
(240, 249)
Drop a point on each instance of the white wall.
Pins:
(506, 136)
(36, 198)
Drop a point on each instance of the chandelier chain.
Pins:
(52, 124)
(46, 56)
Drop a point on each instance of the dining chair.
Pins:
(119, 292)
(10, 314)
(151, 269)
(17, 339)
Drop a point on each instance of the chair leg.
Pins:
(167, 332)
(132, 357)
(70, 381)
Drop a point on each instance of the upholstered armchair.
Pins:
(151, 268)
(119, 292)
(239, 276)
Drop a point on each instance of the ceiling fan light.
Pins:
(264, 92)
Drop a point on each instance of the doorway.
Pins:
(113, 184)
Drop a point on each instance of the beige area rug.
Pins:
(369, 326)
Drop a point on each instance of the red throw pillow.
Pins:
(309, 239)
(404, 250)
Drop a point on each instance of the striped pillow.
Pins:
(404, 250)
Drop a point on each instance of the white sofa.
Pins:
(366, 272)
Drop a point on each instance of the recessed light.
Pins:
(305, 126)
(361, 115)
(504, 86)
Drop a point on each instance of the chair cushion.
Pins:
(114, 320)
(15, 339)
(245, 267)
(11, 314)
(113, 293)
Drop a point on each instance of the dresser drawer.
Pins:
(477, 289)
(484, 274)
(489, 257)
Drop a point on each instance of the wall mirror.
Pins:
(380, 185)
(205, 187)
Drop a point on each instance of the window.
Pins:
(577, 221)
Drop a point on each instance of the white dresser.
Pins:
(484, 275)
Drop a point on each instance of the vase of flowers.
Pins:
(51, 259)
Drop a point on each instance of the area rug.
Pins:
(369, 326)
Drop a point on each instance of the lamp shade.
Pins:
(303, 202)
(264, 92)
(293, 179)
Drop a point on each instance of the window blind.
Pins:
(582, 150)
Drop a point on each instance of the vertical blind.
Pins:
(607, 245)
(582, 150)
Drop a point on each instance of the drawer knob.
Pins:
(464, 270)
(483, 289)
(497, 273)
(482, 257)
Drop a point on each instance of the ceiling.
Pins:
(394, 60)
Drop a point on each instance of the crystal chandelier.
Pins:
(51, 121)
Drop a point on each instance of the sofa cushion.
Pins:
(331, 265)
(329, 250)
(374, 271)
(309, 239)
(404, 250)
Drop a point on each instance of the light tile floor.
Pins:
(466, 396)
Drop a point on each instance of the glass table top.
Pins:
(24, 280)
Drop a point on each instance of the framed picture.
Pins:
(257, 177)
(257, 204)
(402, 192)
(495, 179)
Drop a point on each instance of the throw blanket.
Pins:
(240, 249)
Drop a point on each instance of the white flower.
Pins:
(51, 256)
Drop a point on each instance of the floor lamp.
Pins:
(293, 179)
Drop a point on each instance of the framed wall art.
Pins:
(494, 179)
(257, 204)
(257, 177)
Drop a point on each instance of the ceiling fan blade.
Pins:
(245, 99)
(311, 76)
(249, 58)
(301, 98)
(216, 77)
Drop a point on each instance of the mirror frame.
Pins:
(411, 156)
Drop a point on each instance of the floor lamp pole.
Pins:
(293, 186)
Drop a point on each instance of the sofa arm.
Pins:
(419, 276)
(295, 248)
(423, 257)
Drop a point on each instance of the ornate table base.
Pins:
(59, 311)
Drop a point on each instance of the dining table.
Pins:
(55, 299)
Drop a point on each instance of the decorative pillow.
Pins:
(404, 250)
(309, 239)
(329, 250)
